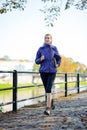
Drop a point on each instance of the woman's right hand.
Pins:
(42, 58)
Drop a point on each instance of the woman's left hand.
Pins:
(57, 65)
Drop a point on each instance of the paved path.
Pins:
(70, 114)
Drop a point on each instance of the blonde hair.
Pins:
(48, 35)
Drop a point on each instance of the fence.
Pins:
(63, 79)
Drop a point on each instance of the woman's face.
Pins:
(48, 39)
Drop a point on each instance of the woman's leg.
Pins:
(48, 104)
(49, 98)
(44, 78)
(48, 79)
(51, 78)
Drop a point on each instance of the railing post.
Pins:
(14, 91)
(78, 83)
(65, 84)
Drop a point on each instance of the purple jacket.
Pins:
(48, 64)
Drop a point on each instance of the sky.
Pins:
(22, 33)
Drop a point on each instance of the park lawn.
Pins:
(10, 85)
(28, 86)
(83, 83)
(2, 86)
(5, 85)
(73, 84)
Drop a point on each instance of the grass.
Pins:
(70, 85)
(5, 85)
(84, 83)
(2, 86)
(10, 85)
(73, 84)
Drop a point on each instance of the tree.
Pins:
(51, 8)
(9, 5)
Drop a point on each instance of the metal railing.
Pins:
(65, 79)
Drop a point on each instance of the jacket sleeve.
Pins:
(38, 56)
(57, 56)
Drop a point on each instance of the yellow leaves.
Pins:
(69, 65)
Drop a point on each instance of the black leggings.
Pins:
(48, 80)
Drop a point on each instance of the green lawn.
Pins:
(28, 84)
(5, 85)
(73, 84)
